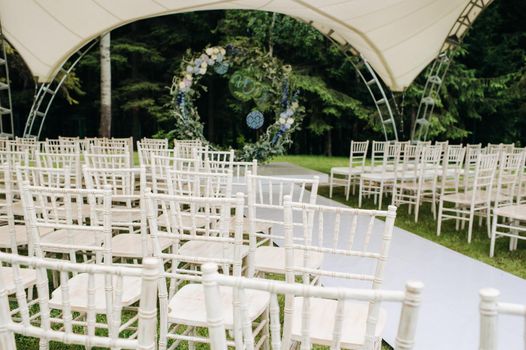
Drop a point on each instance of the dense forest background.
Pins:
(482, 100)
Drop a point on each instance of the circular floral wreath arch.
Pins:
(254, 77)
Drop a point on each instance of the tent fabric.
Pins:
(398, 38)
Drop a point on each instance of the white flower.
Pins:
(202, 71)
(282, 120)
(204, 65)
(189, 69)
(209, 51)
(189, 76)
(290, 121)
(214, 57)
(223, 51)
(295, 104)
(182, 85)
(215, 51)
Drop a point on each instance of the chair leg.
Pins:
(439, 221)
(493, 236)
(470, 224)
(348, 188)
(488, 221)
(360, 193)
(330, 184)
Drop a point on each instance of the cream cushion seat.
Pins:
(28, 277)
(131, 245)
(20, 235)
(188, 305)
(322, 315)
(517, 212)
(272, 259)
(78, 293)
(210, 250)
(465, 197)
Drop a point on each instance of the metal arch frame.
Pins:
(45, 94)
(440, 66)
(373, 85)
(6, 110)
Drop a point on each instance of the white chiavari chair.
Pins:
(416, 185)
(128, 217)
(70, 313)
(337, 329)
(474, 200)
(57, 146)
(377, 153)
(472, 153)
(490, 309)
(383, 177)
(349, 176)
(264, 222)
(509, 216)
(107, 161)
(146, 148)
(240, 171)
(62, 209)
(184, 306)
(60, 160)
(361, 252)
(24, 144)
(12, 159)
(218, 161)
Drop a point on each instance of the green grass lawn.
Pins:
(512, 262)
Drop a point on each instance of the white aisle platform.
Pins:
(449, 317)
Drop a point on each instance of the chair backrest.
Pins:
(244, 339)
(61, 146)
(30, 145)
(240, 171)
(146, 148)
(109, 161)
(71, 161)
(356, 237)
(490, 309)
(62, 209)
(484, 174)
(218, 160)
(200, 219)
(189, 149)
(161, 165)
(40, 319)
(378, 151)
(358, 154)
(508, 174)
(265, 206)
(6, 205)
(391, 158)
(199, 183)
(45, 177)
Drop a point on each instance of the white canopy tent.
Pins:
(398, 38)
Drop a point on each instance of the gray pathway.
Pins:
(449, 314)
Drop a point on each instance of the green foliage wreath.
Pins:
(254, 77)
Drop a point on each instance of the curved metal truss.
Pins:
(374, 85)
(45, 94)
(6, 106)
(440, 66)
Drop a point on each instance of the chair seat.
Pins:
(200, 221)
(20, 234)
(210, 250)
(517, 212)
(346, 170)
(384, 176)
(465, 197)
(73, 238)
(28, 277)
(131, 245)
(322, 316)
(78, 293)
(188, 305)
(272, 259)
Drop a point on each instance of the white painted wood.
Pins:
(410, 301)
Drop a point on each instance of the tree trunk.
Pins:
(105, 86)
